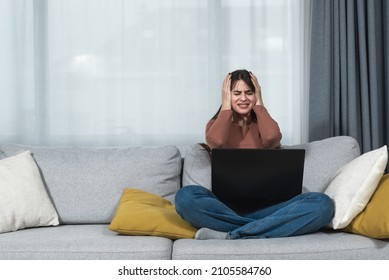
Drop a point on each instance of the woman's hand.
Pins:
(226, 93)
(258, 92)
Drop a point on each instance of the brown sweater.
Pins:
(263, 134)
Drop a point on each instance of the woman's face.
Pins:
(242, 98)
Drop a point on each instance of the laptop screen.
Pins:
(250, 179)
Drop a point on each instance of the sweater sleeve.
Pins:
(217, 130)
(268, 128)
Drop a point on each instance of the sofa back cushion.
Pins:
(85, 184)
(322, 160)
(197, 167)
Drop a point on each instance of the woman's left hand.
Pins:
(258, 92)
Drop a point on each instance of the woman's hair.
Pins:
(245, 76)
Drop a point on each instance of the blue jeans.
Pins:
(302, 214)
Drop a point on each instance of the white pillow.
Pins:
(24, 201)
(355, 183)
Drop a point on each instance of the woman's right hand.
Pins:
(226, 93)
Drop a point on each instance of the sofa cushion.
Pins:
(355, 183)
(78, 242)
(373, 221)
(144, 213)
(322, 160)
(197, 167)
(85, 184)
(320, 245)
(23, 198)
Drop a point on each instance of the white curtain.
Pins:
(143, 72)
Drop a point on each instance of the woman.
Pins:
(236, 123)
(243, 122)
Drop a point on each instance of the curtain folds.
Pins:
(349, 71)
(134, 72)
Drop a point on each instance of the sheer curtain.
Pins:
(135, 72)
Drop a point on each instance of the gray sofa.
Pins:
(85, 185)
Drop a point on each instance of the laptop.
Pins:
(247, 180)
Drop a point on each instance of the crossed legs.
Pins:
(302, 214)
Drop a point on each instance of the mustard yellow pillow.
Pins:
(373, 221)
(143, 213)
